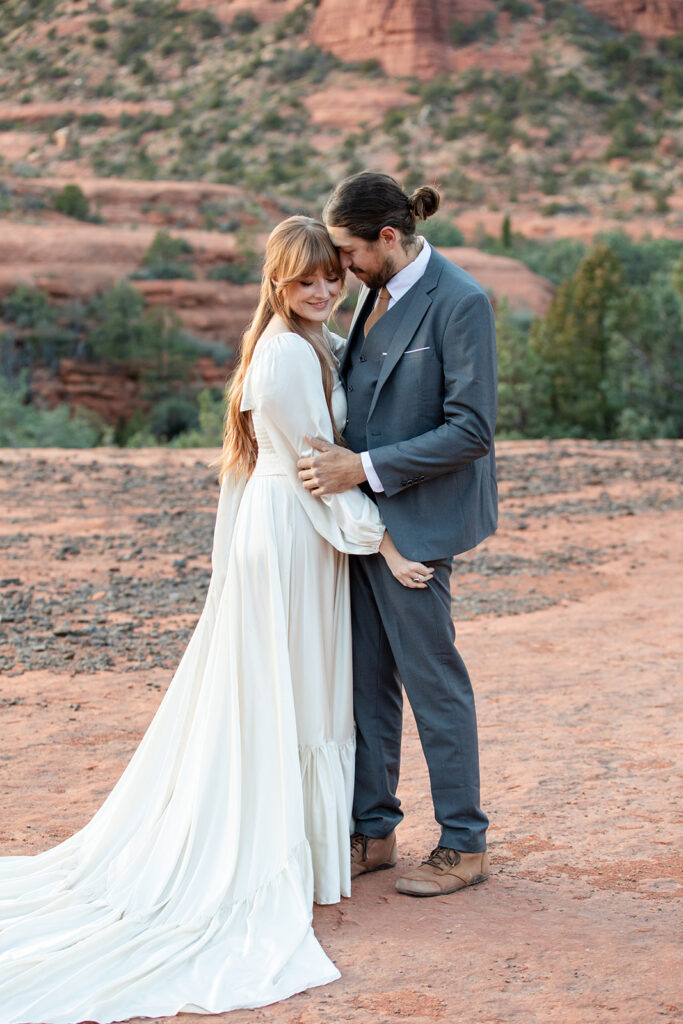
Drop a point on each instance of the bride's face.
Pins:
(312, 298)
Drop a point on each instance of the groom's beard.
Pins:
(376, 279)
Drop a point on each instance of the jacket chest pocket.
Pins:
(421, 374)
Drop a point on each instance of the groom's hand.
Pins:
(332, 470)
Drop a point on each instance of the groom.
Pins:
(420, 375)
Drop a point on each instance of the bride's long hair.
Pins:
(297, 248)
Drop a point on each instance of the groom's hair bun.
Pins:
(368, 201)
(424, 202)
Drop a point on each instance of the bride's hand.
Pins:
(411, 574)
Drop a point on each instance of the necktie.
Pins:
(379, 310)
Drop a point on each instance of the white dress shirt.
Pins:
(397, 286)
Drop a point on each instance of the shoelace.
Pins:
(442, 858)
(359, 842)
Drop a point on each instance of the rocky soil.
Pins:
(568, 620)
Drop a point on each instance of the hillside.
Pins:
(520, 106)
(544, 125)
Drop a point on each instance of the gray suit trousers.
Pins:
(404, 636)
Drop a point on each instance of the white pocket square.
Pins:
(409, 351)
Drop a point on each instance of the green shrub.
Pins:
(231, 164)
(244, 22)
(73, 202)
(272, 121)
(172, 415)
(135, 39)
(209, 432)
(516, 8)
(662, 200)
(242, 272)
(143, 70)
(207, 24)
(440, 90)
(462, 33)
(293, 23)
(371, 67)
(393, 118)
(499, 124)
(312, 63)
(582, 176)
(441, 232)
(28, 307)
(615, 53)
(672, 46)
(550, 184)
(672, 88)
(639, 182)
(167, 257)
(94, 120)
(23, 425)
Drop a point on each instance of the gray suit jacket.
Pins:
(433, 413)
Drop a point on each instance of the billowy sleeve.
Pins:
(284, 388)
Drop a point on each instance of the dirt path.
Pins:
(576, 688)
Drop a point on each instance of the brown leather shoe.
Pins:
(368, 854)
(445, 871)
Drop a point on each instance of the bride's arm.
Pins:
(286, 390)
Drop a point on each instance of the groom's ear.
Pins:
(389, 236)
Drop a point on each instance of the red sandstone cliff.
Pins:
(411, 37)
(407, 36)
(651, 18)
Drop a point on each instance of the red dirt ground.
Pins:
(572, 634)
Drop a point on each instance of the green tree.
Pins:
(573, 341)
(523, 378)
(73, 202)
(28, 307)
(645, 359)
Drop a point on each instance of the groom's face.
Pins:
(371, 262)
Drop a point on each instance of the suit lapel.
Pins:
(417, 302)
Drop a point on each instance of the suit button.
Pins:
(350, 387)
(363, 359)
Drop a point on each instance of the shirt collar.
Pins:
(400, 283)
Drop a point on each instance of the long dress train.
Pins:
(192, 887)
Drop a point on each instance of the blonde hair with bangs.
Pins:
(296, 249)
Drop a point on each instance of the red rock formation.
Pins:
(407, 36)
(32, 113)
(225, 10)
(411, 37)
(504, 277)
(113, 392)
(651, 18)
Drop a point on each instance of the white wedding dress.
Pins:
(191, 888)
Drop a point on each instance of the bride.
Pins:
(191, 888)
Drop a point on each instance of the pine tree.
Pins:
(573, 340)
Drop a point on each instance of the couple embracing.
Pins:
(351, 473)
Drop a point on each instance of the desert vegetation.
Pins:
(606, 361)
(587, 126)
(241, 95)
